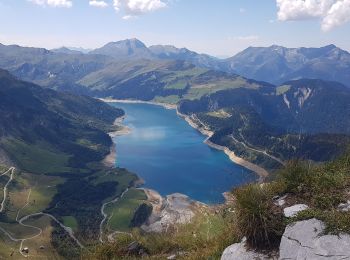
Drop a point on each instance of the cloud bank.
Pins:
(133, 8)
(129, 8)
(53, 3)
(100, 4)
(332, 13)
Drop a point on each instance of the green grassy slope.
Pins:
(57, 141)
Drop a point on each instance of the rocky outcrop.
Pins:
(169, 211)
(294, 210)
(239, 251)
(305, 240)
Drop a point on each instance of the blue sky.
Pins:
(216, 27)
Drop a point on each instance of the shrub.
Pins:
(257, 219)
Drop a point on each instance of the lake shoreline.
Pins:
(111, 158)
(261, 172)
(128, 101)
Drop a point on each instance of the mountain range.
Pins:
(274, 64)
(278, 64)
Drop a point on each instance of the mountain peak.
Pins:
(133, 42)
(129, 48)
(330, 46)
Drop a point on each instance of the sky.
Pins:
(217, 27)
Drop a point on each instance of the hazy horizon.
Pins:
(220, 30)
(223, 56)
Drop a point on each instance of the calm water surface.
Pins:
(171, 157)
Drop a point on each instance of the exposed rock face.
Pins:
(294, 210)
(240, 252)
(167, 212)
(304, 240)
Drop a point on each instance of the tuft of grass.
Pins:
(257, 219)
(322, 186)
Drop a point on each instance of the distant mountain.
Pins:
(126, 49)
(278, 64)
(275, 64)
(105, 76)
(48, 68)
(66, 50)
(80, 49)
(168, 52)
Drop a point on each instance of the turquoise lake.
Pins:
(170, 156)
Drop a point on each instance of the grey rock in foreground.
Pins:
(304, 240)
(294, 210)
(240, 252)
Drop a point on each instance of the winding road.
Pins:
(257, 150)
(12, 169)
(20, 221)
(105, 215)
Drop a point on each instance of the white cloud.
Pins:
(332, 13)
(242, 10)
(128, 17)
(339, 14)
(100, 4)
(53, 3)
(302, 9)
(133, 8)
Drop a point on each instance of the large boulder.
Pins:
(305, 240)
(239, 251)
